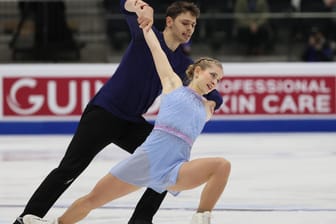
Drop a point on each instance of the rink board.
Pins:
(217, 126)
(257, 97)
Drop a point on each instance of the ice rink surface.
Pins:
(275, 179)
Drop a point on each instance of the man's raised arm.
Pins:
(144, 12)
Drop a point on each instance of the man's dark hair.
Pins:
(179, 7)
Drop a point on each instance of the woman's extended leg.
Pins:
(106, 190)
(212, 171)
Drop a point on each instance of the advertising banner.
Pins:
(256, 97)
(50, 97)
(282, 95)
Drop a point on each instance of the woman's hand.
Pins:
(145, 17)
(144, 12)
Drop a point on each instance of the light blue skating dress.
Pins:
(155, 164)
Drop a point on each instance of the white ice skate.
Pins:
(201, 218)
(32, 219)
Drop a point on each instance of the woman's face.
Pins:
(206, 80)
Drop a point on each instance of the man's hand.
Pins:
(146, 17)
(144, 12)
(211, 106)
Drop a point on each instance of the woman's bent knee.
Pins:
(224, 166)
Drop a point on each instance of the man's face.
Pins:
(182, 27)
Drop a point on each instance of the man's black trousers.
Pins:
(97, 128)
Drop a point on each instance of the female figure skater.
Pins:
(162, 161)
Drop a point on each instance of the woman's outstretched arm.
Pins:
(169, 79)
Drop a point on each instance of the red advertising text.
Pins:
(242, 95)
(48, 96)
(277, 95)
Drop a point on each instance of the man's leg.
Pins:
(106, 190)
(92, 135)
(147, 207)
(150, 200)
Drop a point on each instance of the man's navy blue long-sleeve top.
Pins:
(135, 84)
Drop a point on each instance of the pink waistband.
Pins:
(174, 132)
